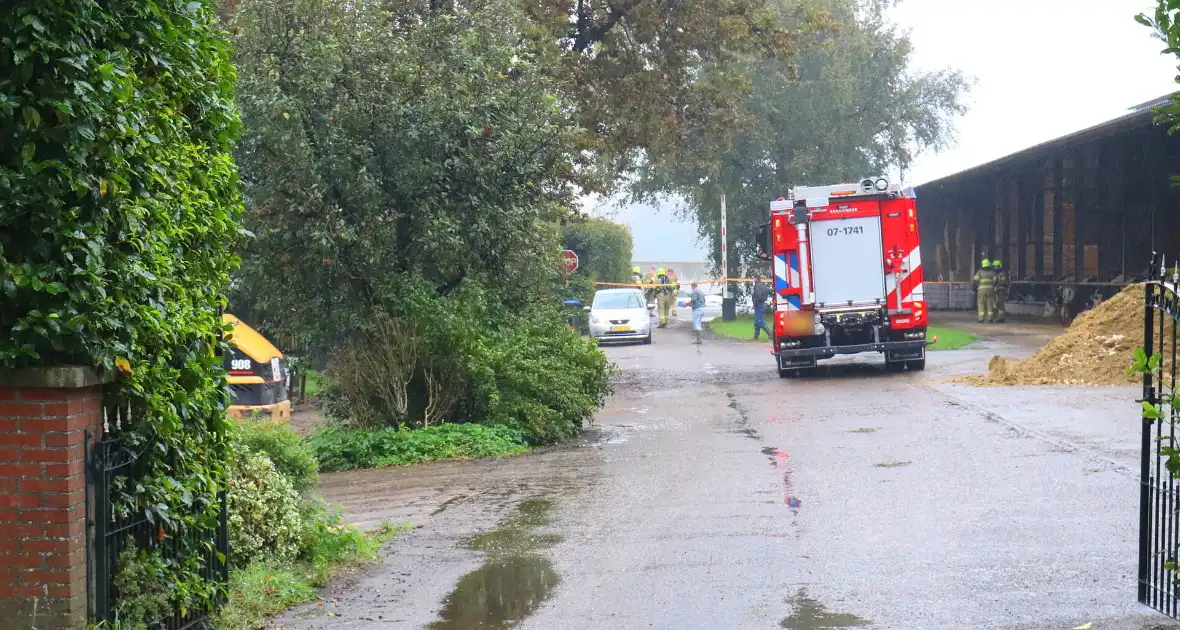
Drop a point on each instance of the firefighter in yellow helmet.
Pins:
(664, 295)
(985, 285)
(675, 290)
(1000, 295)
(636, 275)
(649, 281)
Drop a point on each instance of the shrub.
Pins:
(145, 594)
(345, 448)
(290, 453)
(264, 511)
(389, 370)
(474, 358)
(538, 377)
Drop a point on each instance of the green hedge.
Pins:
(604, 254)
(120, 213)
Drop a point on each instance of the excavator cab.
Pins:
(257, 374)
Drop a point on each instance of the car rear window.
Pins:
(617, 300)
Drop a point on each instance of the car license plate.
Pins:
(620, 329)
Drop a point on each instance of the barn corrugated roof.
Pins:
(1141, 115)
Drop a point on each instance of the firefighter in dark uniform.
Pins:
(1000, 296)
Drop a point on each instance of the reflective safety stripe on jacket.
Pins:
(985, 278)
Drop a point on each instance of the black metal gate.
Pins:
(1159, 492)
(113, 464)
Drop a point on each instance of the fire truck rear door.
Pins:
(848, 265)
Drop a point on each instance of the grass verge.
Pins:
(740, 328)
(266, 588)
(348, 448)
(948, 338)
(743, 328)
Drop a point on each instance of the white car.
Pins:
(620, 315)
(711, 300)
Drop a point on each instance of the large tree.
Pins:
(377, 150)
(644, 73)
(851, 107)
(406, 181)
(637, 74)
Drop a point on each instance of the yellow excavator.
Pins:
(258, 378)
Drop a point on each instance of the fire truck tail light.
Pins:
(910, 212)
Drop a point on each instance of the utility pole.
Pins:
(724, 253)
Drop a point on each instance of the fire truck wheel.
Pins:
(917, 365)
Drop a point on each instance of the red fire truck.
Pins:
(847, 275)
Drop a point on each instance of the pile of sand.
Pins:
(1095, 350)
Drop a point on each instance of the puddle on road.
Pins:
(808, 614)
(514, 580)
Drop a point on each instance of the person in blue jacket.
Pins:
(697, 302)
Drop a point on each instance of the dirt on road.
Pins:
(712, 494)
(1094, 350)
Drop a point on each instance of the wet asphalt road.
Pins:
(712, 494)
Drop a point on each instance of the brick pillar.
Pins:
(45, 414)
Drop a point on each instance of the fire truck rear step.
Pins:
(903, 350)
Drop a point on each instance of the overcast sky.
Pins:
(1043, 69)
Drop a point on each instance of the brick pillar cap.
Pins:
(55, 377)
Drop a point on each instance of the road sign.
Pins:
(570, 260)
